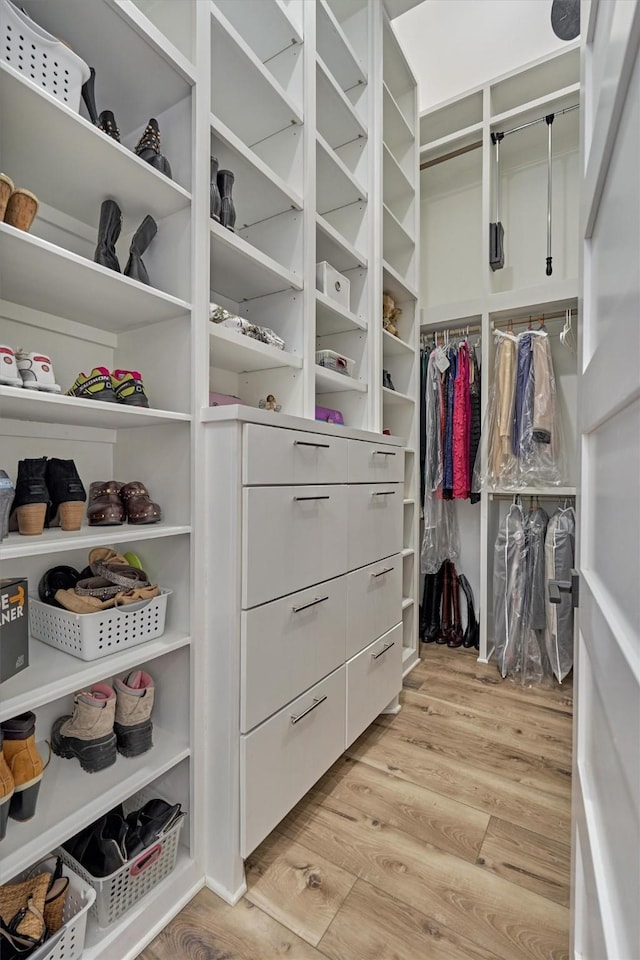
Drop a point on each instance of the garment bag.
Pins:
(510, 591)
(559, 560)
(496, 230)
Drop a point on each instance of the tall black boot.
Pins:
(215, 202)
(148, 148)
(228, 210)
(425, 606)
(31, 498)
(444, 633)
(471, 636)
(88, 95)
(143, 236)
(108, 233)
(434, 611)
(455, 637)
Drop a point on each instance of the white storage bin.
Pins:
(335, 361)
(333, 284)
(40, 57)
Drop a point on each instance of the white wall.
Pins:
(454, 45)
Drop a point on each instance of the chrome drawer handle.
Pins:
(374, 656)
(312, 603)
(383, 453)
(309, 443)
(316, 703)
(383, 493)
(325, 497)
(381, 573)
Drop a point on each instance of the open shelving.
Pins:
(241, 354)
(336, 49)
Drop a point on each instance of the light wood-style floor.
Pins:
(443, 834)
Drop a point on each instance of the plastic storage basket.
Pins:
(118, 892)
(90, 636)
(68, 942)
(40, 57)
(335, 361)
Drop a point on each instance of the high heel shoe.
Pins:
(148, 148)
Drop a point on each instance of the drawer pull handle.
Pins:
(316, 703)
(324, 497)
(381, 573)
(309, 443)
(383, 453)
(312, 603)
(374, 656)
(383, 493)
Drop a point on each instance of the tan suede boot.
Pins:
(133, 726)
(24, 762)
(6, 790)
(88, 733)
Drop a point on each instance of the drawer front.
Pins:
(375, 522)
(375, 462)
(292, 538)
(287, 754)
(374, 602)
(272, 455)
(374, 677)
(289, 645)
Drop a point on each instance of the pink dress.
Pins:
(461, 425)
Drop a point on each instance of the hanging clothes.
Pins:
(559, 561)
(449, 386)
(475, 425)
(509, 591)
(460, 426)
(522, 437)
(536, 531)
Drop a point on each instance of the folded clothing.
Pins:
(225, 318)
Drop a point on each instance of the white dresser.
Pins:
(304, 563)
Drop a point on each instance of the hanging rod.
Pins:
(534, 318)
(430, 332)
(497, 136)
(450, 156)
(529, 494)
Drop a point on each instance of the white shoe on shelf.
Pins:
(36, 371)
(9, 376)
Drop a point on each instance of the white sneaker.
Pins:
(9, 375)
(36, 371)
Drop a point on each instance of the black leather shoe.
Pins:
(148, 148)
(108, 125)
(143, 236)
(108, 233)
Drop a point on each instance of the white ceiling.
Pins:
(396, 7)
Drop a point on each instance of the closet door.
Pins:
(606, 920)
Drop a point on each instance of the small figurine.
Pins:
(270, 404)
(390, 314)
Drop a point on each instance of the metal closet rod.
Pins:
(535, 317)
(523, 126)
(429, 333)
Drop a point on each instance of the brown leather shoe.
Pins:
(138, 506)
(105, 507)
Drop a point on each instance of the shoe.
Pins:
(67, 494)
(455, 635)
(387, 381)
(445, 625)
(108, 233)
(105, 508)
(55, 899)
(9, 373)
(215, 202)
(128, 388)
(22, 904)
(88, 95)
(227, 209)
(107, 123)
(471, 636)
(6, 189)
(100, 847)
(148, 824)
(36, 371)
(24, 762)
(133, 726)
(96, 386)
(21, 209)
(88, 733)
(148, 148)
(31, 500)
(7, 493)
(7, 787)
(143, 236)
(138, 506)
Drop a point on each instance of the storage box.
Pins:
(327, 415)
(14, 627)
(333, 284)
(335, 361)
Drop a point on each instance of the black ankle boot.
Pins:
(108, 125)
(143, 236)
(31, 499)
(227, 210)
(148, 148)
(215, 202)
(67, 494)
(88, 95)
(108, 233)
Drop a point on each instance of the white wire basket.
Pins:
(335, 361)
(90, 636)
(40, 57)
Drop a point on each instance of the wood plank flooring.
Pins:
(442, 833)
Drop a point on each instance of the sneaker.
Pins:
(36, 371)
(96, 386)
(128, 388)
(9, 375)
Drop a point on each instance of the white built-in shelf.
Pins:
(409, 502)
(556, 100)
(407, 552)
(53, 673)
(328, 381)
(453, 141)
(70, 799)
(55, 540)
(407, 602)
(337, 118)
(336, 249)
(396, 185)
(553, 493)
(458, 314)
(395, 284)
(263, 193)
(549, 297)
(336, 186)
(73, 287)
(409, 451)
(397, 131)
(332, 318)
(240, 271)
(264, 24)
(394, 397)
(336, 49)
(40, 407)
(396, 237)
(116, 171)
(395, 66)
(393, 346)
(257, 107)
(229, 350)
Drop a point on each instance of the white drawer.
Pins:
(272, 455)
(375, 462)
(283, 758)
(375, 522)
(374, 677)
(374, 602)
(289, 645)
(292, 538)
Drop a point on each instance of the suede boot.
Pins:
(66, 492)
(143, 236)
(31, 500)
(24, 762)
(133, 726)
(7, 787)
(88, 733)
(108, 233)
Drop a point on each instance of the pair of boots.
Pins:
(47, 491)
(107, 721)
(21, 769)
(18, 207)
(440, 620)
(221, 206)
(108, 233)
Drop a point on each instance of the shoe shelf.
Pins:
(73, 287)
(264, 24)
(393, 346)
(336, 49)
(235, 352)
(239, 271)
(169, 29)
(53, 673)
(394, 397)
(396, 185)
(332, 246)
(332, 318)
(17, 403)
(337, 119)
(395, 235)
(397, 131)
(399, 288)
(54, 540)
(70, 799)
(336, 186)
(328, 381)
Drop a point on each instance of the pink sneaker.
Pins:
(36, 371)
(9, 375)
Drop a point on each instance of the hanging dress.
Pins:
(461, 425)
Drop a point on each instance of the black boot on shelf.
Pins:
(108, 233)
(227, 210)
(471, 636)
(67, 494)
(143, 236)
(108, 125)
(148, 148)
(215, 203)
(31, 499)
(88, 95)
